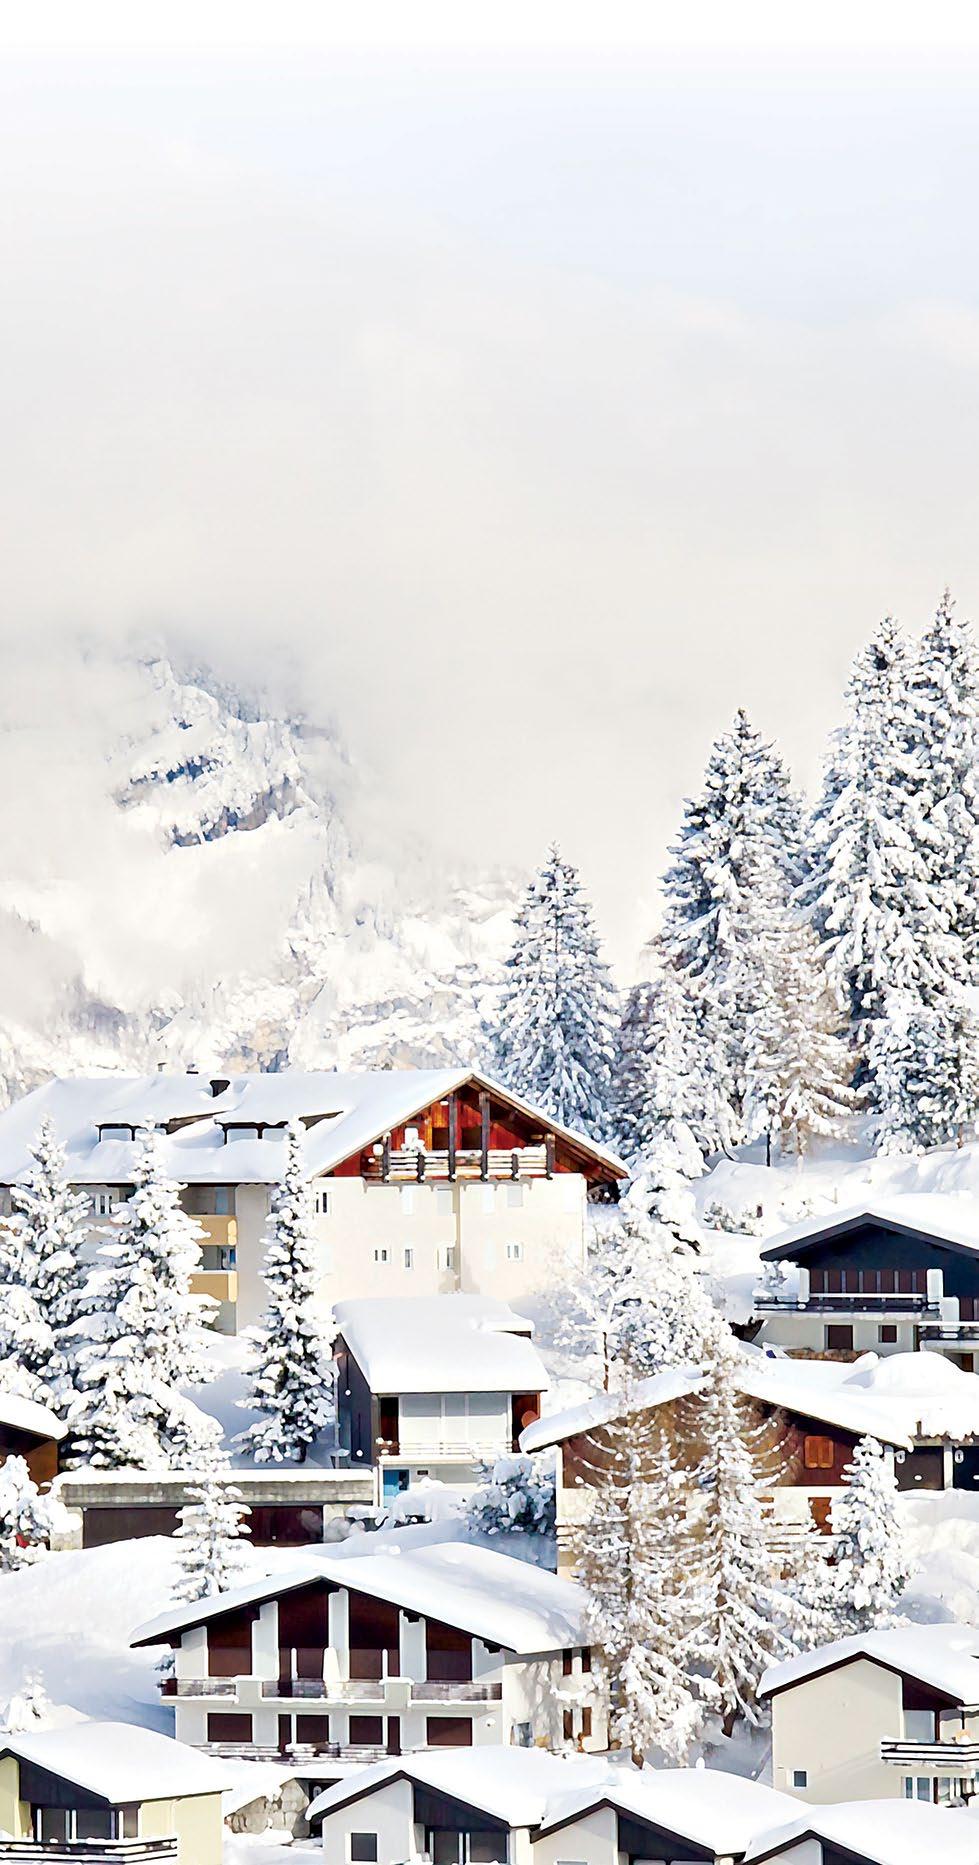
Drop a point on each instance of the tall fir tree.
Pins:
(872, 1567)
(292, 1365)
(634, 1561)
(796, 1063)
(141, 1335)
(42, 1275)
(212, 1523)
(556, 1031)
(925, 1063)
(665, 1102)
(741, 1617)
(945, 698)
(743, 824)
(868, 884)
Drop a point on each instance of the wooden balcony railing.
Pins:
(944, 1757)
(412, 1164)
(93, 1851)
(841, 1302)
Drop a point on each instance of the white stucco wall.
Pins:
(832, 1726)
(588, 1841)
(388, 1813)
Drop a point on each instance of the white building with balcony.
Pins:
(424, 1181)
(353, 1656)
(889, 1715)
(433, 1387)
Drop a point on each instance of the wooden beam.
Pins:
(484, 1133)
(549, 1155)
(452, 1136)
(386, 1158)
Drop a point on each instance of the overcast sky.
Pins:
(527, 409)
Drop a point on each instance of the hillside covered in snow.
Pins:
(197, 885)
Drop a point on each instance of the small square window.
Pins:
(363, 1849)
(321, 1203)
(887, 1334)
(514, 1253)
(381, 1256)
(800, 1777)
(446, 1257)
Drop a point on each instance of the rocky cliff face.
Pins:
(252, 927)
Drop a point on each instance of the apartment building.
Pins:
(350, 1656)
(888, 1715)
(433, 1387)
(424, 1181)
(889, 1277)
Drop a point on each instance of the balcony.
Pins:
(199, 1687)
(841, 1303)
(220, 1284)
(489, 1692)
(951, 1330)
(943, 1757)
(413, 1165)
(93, 1851)
(294, 1752)
(454, 1450)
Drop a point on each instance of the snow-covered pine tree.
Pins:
(27, 1519)
(633, 1557)
(589, 1307)
(745, 821)
(811, 1592)
(945, 697)
(292, 1366)
(210, 1530)
(666, 1314)
(868, 883)
(740, 1625)
(666, 1112)
(555, 1041)
(516, 1496)
(872, 1567)
(140, 1335)
(925, 1064)
(41, 1273)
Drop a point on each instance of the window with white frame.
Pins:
(381, 1255)
(321, 1201)
(102, 1203)
(446, 1258)
(409, 1258)
(363, 1849)
(514, 1253)
(800, 1777)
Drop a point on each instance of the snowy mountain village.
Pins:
(566, 1455)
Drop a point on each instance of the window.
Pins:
(446, 1258)
(228, 1726)
(448, 1732)
(381, 1256)
(407, 1200)
(568, 1725)
(918, 1787)
(102, 1203)
(409, 1259)
(366, 1731)
(800, 1777)
(489, 1199)
(514, 1197)
(321, 1202)
(363, 1849)
(443, 1201)
(567, 1663)
(817, 1453)
(514, 1253)
(887, 1334)
(586, 1720)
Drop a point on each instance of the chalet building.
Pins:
(30, 1431)
(888, 1277)
(890, 1715)
(352, 1657)
(66, 1793)
(524, 1808)
(433, 1387)
(425, 1181)
(291, 1507)
(811, 1415)
(872, 1832)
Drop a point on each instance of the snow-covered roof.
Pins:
(833, 1392)
(950, 1218)
(675, 1383)
(347, 1112)
(880, 1832)
(26, 1415)
(529, 1788)
(504, 1601)
(946, 1657)
(119, 1762)
(441, 1343)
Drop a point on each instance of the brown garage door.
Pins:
(100, 1526)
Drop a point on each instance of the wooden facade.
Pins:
(39, 1454)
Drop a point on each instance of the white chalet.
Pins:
(425, 1181)
(353, 1656)
(879, 1716)
(873, 1832)
(515, 1807)
(432, 1387)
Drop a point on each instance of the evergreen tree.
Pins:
(872, 1567)
(212, 1523)
(555, 1043)
(42, 1275)
(516, 1496)
(925, 1064)
(665, 1101)
(140, 1336)
(869, 879)
(740, 1625)
(666, 1315)
(744, 824)
(945, 697)
(27, 1519)
(292, 1366)
(634, 1561)
(796, 1064)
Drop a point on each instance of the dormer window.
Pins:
(241, 1133)
(117, 1133)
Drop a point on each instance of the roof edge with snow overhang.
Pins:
(899, 1214)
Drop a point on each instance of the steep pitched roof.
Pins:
(945, 1657)
(347, 1112)
(950, 1221)
(119, 1762)
(440, 1343)
(878, 1832)
(26, 1415)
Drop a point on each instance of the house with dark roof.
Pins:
(888, 1276)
